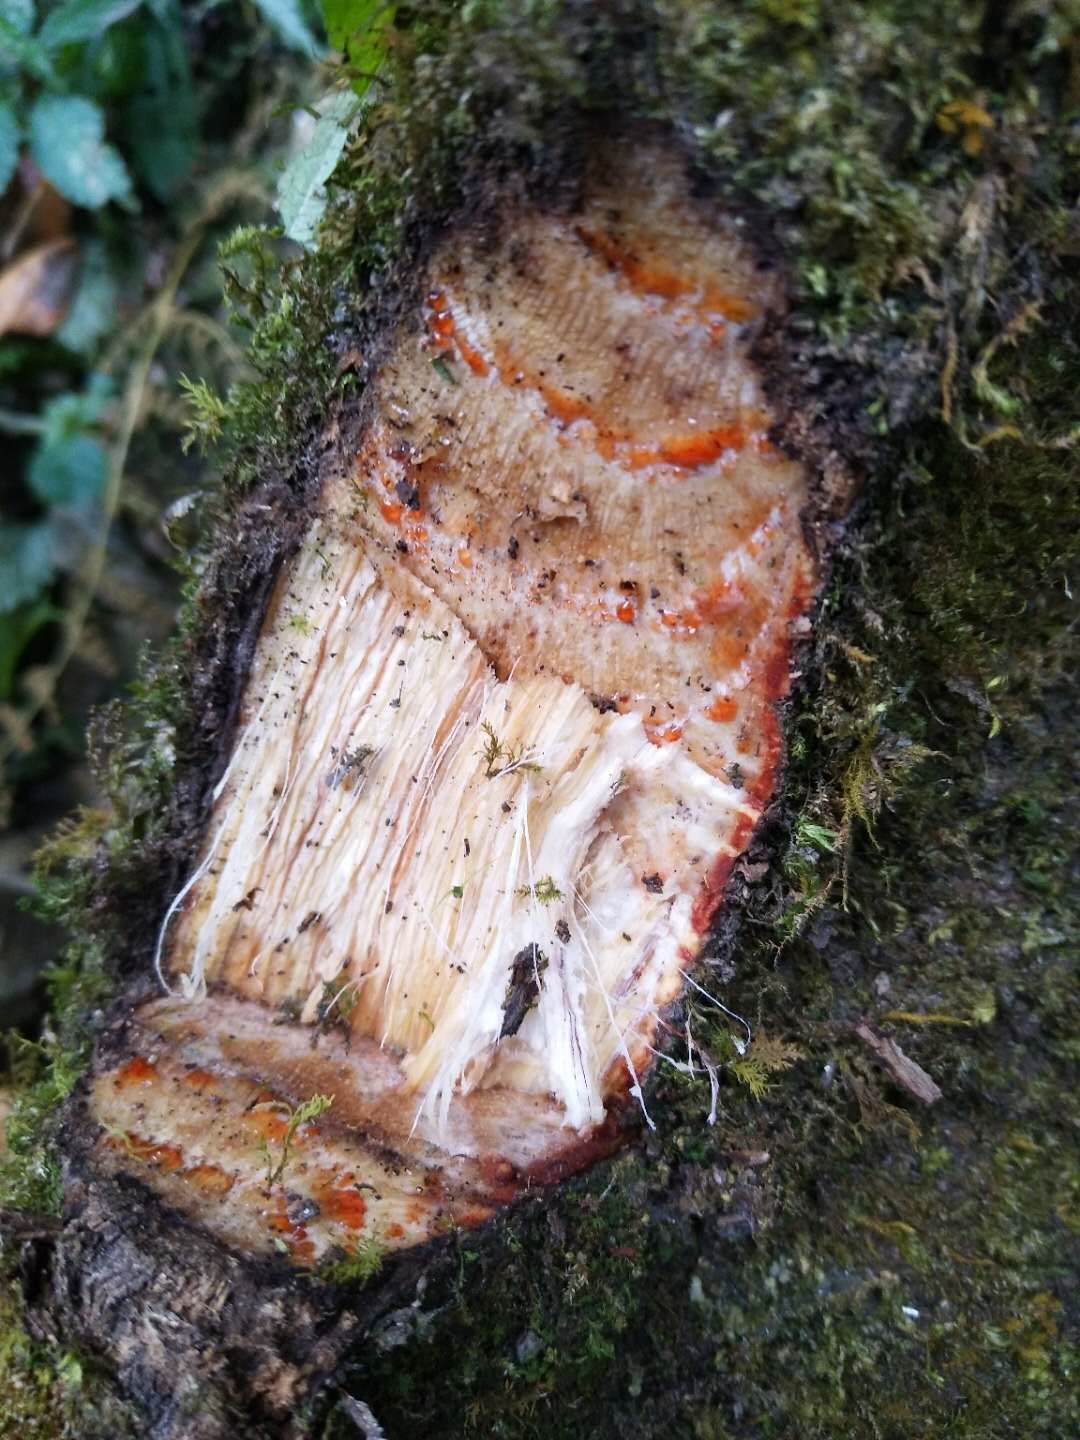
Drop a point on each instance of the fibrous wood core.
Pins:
(510, 722)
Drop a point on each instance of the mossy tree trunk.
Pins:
(831, 1256)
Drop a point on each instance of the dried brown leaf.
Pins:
(35, 289)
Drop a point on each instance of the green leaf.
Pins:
(9, 145)
(69, 467)
(17, 48)
(79, 20)
(17, 629)
(343, 18)
(287, 19)
(359, 29)
(27, 562)
(18, 13)
(17, 19)
(301, 197)
(114, 65)
(74, 411)
(808, 832)
(162, 121)
(67, 137)
(69, 472)
(93, 310)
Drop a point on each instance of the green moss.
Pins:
(356, 1266)
(909, 1271)
(50, 1394)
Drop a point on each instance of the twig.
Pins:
(14, 423)
(907, 1074)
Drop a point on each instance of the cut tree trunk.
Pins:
(499, 706)
(510, 722)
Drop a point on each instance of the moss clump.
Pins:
(355, 1266)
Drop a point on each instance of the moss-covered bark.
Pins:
(914, 170)
(884, 1272)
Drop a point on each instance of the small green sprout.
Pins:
(300, 623)
(808, 832)
(300, 1115)
(122, 1137)
(495, 751)
(337, 994)
(354, 1266)
(208, 414)
(765, 1057)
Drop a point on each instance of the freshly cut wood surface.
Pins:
(510, 722)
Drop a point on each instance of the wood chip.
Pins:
(360, 1414)
(907, 1074)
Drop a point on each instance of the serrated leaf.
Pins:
(79, 20)
(287, 18)
(67, 138)
(27, 562)
(70, 472)
(301, 197)
(9, 145)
